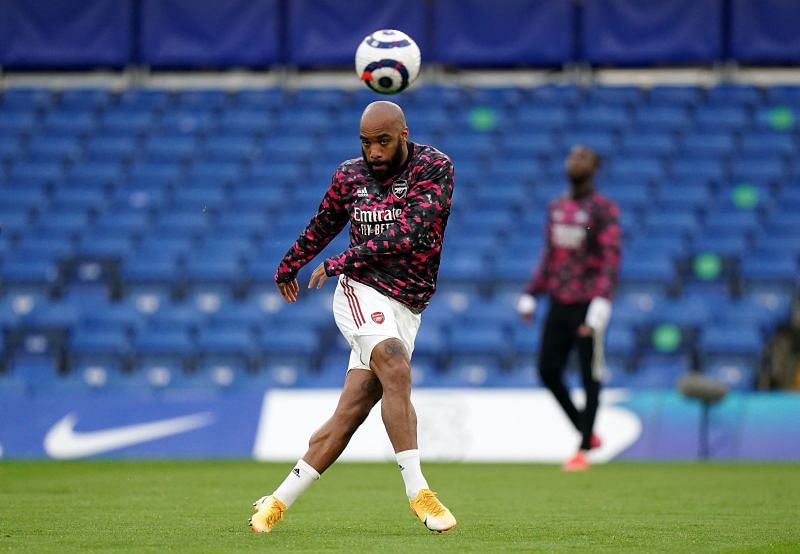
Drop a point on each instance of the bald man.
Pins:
(396, 198)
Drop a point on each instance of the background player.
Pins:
(579, 271)
(397, 200)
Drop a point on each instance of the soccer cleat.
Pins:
(432, 512)
(269, 511)
(595, 441)
(579, 462)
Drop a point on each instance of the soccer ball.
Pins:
(388, 61)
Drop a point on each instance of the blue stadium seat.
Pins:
(621, 345)
(648, 144)
(235, 346)
(556, 94)
(735, 374)
(288, 346)
(429, 346)
(732, 222)
(693, 169)
(635, 309)
(155, 171)
(163, 345)
(767, 144)
(656, 273)
(170, 148)
(20, 98)
(203, 98)
(615, 95)
(733, 95)
(71, 122)
(712, 118)
(674, 95)
(603, 141)
(541, 118)
(47, 148)
(686, 311)
(474, 345)
(679, 221)
(696, 196)
(658, 373)
(758, 167)
(187, 121)
(35, 172)
(602, 117)
(530, 143)
(711, 144)
(721, 242)
(98, 346)
(246, 120)
(758, 269)
(124, 124)
(661, 119)
(782, 94)
(230, 147)
(643, 168)
(739, 339)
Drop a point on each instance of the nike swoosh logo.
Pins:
(63, 442)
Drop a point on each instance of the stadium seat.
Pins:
(164, 345)
(478, 345)
(226, 346)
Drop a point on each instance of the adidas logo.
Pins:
(362, 192)
(401, 467)
(296, 472)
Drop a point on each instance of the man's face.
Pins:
(383, 150)
(581, 163)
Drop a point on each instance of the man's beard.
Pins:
(392, 165)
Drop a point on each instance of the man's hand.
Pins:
(597, 316)
(318, 277)
(526, 306)
(289, 290)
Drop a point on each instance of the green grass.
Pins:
(95, 506)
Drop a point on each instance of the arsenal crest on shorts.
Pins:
(378, 317)
(400, 188)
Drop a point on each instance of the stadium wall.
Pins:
(202, 34)
(477, 425)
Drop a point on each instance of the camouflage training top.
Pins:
(396, 226)
(582, 254)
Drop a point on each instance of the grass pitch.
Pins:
(203, 506)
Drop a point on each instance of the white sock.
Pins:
(410, 469)
(298, 480)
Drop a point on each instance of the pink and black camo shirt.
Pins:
(396, 227)
(582, 255)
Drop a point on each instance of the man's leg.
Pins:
(360, 393)
(391, 365)
(390, 362)
(553, 353)
(592, 388)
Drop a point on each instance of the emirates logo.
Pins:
(378, 317)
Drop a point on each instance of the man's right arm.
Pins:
(330, 219)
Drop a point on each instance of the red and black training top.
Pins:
(396, 227)
(581, 258)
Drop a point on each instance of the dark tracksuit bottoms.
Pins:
(559, 336)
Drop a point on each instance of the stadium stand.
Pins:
(174, 209)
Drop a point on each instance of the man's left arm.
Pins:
(419, 222)
(609, 244)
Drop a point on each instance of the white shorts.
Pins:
(366, 317)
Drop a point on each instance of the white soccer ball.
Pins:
(388, 61)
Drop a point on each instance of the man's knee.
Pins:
(390, 363)
(549, 374)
